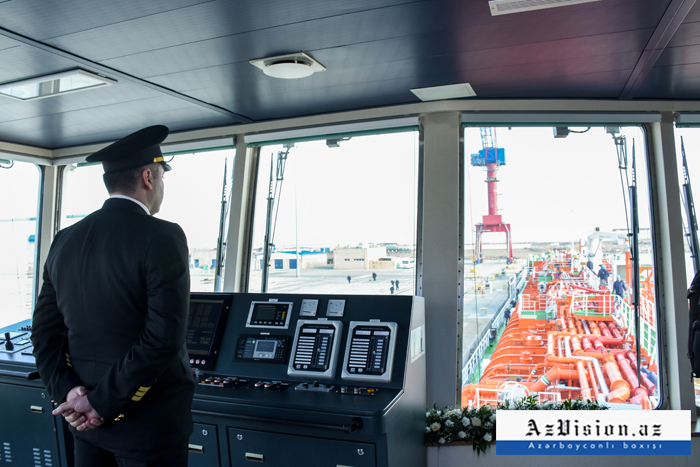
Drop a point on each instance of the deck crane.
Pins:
(491, 157)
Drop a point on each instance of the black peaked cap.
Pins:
(132, 151)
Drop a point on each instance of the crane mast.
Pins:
(491, 157)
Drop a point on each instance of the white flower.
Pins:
(435, 426)
(465, 421)
(439, 412)
(441, 441)
(457, 412)
(462, 435)
(427, 414)
(449, 423)
(492, 418)
(476, 421)
(488, 425)
(427, 429)
(488, 437)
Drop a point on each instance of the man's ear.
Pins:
(147, 178)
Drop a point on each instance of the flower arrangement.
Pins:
(478, 424)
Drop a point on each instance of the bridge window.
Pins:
(689, 180)
(548, 223)
(193, 198)
(19, 191)
(338, 211)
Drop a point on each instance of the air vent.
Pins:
(292, 66)
(505, 7)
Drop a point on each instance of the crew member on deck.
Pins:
(603, 275)
(109, 324)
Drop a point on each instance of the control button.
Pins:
(209, 379)
(268, 385)
(258, 384)
(315, 384)
(344, 389)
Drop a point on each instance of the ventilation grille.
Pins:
(6, 453)
(504, 7)
(43, 458)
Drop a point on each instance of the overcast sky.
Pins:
(365, 190)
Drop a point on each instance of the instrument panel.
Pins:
(275, 342)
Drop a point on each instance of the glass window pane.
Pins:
(19, 190)
(551, 318)
(193, 199)
(691, 143)
(343, 218)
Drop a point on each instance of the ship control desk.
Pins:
(282, 380)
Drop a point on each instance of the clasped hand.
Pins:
(78, 411)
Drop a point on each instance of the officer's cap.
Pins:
(132, 151)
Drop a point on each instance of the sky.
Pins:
(361, 192)
(553, 190)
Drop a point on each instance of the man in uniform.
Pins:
(109, 324)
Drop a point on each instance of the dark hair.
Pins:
(125, 181)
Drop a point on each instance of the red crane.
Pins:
(492, 158)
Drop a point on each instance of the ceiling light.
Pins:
(292, 66)
(53, 85)
(438, 93)
(504, 7)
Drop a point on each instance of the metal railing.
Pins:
(593, 306)
(476, 356)
(648, 340)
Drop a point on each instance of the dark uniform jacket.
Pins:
(112, 316)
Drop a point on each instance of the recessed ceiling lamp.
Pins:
(53, 85)
(504, 7)
(292, 66)
(438, 93)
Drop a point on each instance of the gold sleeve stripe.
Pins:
(158, 159)
(140, 393)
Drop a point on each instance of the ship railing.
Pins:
(593, 281)
(648, 340)
(476, 356)
(493, 396)
(591, 306)
(543, 397)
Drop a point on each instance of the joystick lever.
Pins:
(8, 342)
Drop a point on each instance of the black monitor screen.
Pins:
(205, 325)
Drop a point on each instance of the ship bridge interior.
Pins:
(206, 69)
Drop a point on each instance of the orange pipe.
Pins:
(591, 373)
(646, 382)
(620, 388)
(630, 375)
(587, 346)
(643, 400)
(583, 381)
(555, 373)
